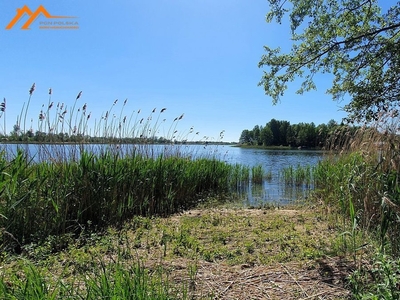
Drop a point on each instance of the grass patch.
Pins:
(169, 258)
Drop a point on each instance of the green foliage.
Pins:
(298, 176)
(282, 133)
(353, 40)
(257, 174)
(108, 281)
(358, 185)
(360, 179)
(41, 199)
(240, 175)
(380, 280)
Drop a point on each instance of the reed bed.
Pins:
(41, 199)
(257, 174)
(362, 178)
(298, 176)
(239, 176)
(86, 176)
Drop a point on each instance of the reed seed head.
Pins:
(3, 105)
(32, 89)
(79, 95)
(164, 109)
(50, 91)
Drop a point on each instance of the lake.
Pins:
(273, 161)
(272, 190)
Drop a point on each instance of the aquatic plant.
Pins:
(297, 176)
(257, 174)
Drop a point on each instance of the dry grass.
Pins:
(269, 271)
(323, 279)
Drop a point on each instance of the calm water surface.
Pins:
(273, 161)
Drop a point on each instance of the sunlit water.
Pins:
(271, 191)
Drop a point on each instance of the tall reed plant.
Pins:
(69, 185)
(362, 174)
(298, 176)
(46, 198)
(257, 174)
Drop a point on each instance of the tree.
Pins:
(351, 39)
(245, 137)
(283, 132)
(274, 125)
(256, 135)
(267, 136)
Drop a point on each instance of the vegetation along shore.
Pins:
(101, 225)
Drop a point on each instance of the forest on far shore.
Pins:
(282, 133)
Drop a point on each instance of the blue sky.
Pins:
(196, 57)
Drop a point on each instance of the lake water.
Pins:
(273, 161)
(272, 190)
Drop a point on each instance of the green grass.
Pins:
(41, 199)
(111, 280)
(73, 187)
(160, 258)
(53, 208)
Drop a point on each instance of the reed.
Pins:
(111, 280)
(239, 175)
(257, 174)
(361, 178)
(75, 186)
(298, 176)
(41, 199)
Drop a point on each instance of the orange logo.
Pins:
(43, 25)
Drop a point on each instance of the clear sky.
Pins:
(197, 57)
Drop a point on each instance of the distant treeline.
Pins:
(282, 133)
(60, 138)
